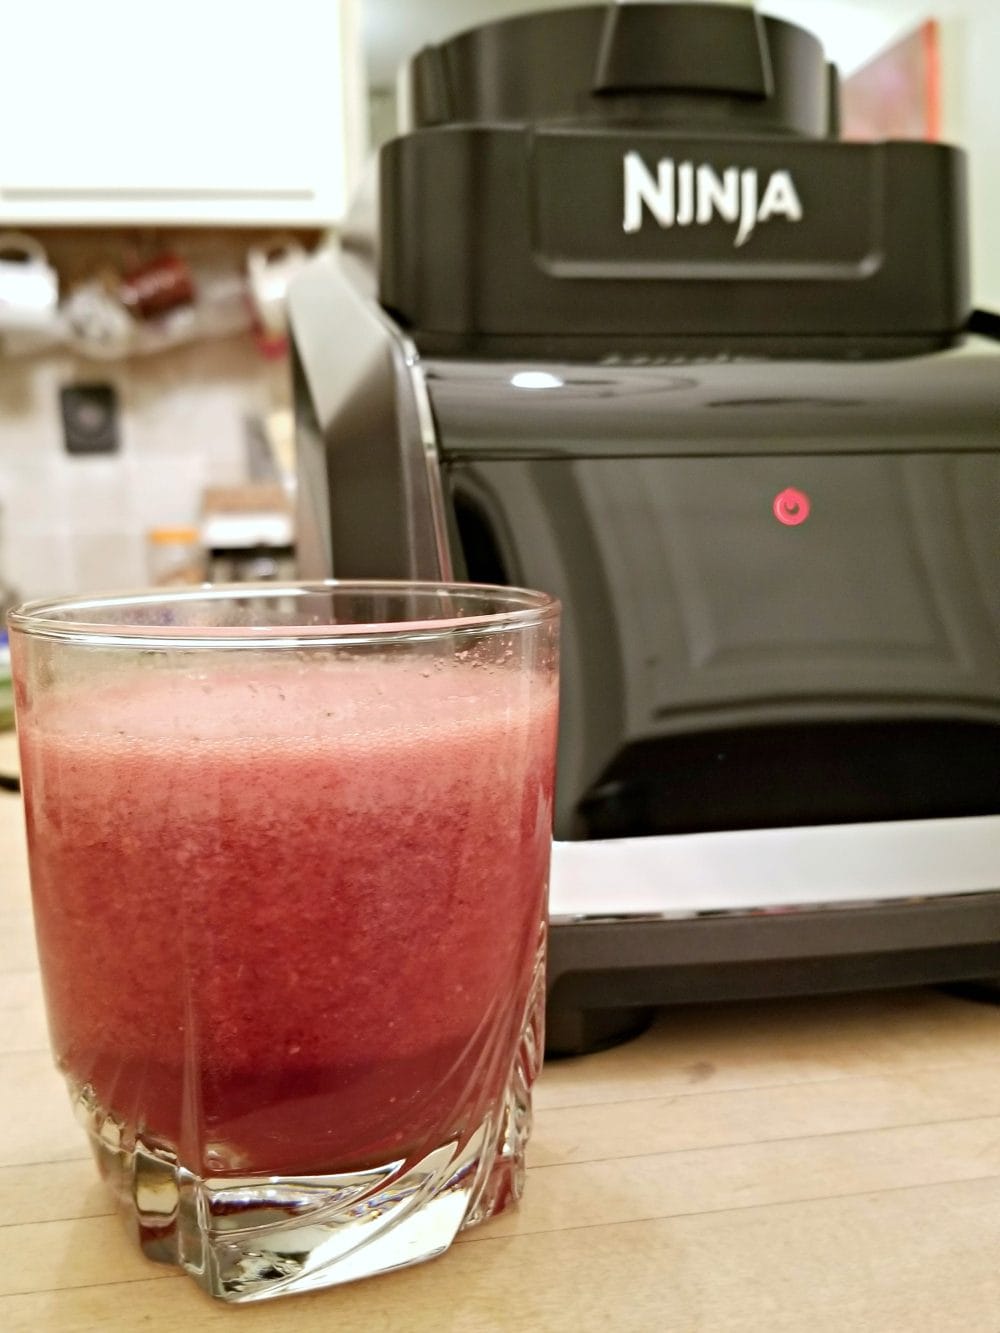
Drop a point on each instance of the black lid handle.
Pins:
(684, 48)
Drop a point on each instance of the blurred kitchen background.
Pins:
(161, 183)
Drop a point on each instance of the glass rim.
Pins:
(39, 618)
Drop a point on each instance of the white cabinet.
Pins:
(213, 112)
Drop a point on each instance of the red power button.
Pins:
(791, 507)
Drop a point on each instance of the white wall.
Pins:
(79, 523)
(851, 30)
(971, 77)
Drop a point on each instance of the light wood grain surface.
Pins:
(825, 1164)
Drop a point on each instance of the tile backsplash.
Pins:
(77, 523)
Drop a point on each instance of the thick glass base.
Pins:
(255, 1237)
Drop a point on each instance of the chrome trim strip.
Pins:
(429, 443)
(785, 869)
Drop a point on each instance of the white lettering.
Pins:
(780, 199)
(718, 196)
(641, 188)
(680, 195)
(748, 205)
(685, 194)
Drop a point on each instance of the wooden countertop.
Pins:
(809, 1165)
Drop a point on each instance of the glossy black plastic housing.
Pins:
(509, 241)
(729, 664)
(694, 62)
(590, 181)
(606, 978)
(630, 324)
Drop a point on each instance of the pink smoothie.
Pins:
(287, 916)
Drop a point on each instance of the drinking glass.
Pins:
(289, 849)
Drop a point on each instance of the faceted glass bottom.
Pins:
(256, 1237)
